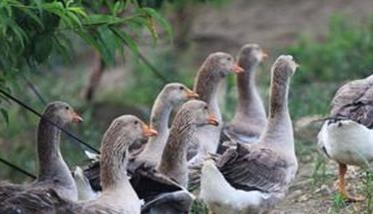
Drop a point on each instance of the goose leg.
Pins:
(342, 185)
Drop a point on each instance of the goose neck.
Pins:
(50, 159)
(175, 153)
(114, 160)
(160, 116)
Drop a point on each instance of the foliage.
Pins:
(345, 53)
(31, 30)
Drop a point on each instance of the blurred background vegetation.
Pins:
(109, 58)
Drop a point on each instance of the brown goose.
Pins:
(346, 137)
(117, 196)
(250, 118)
(171, 96)
(208, 80)
(192, 116)
(53, 171)
(254, 177)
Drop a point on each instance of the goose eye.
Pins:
(205, 107)
(229, 58)
(136, 122)
(181, 88)
(67, 108)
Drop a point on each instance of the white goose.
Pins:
(347, 136)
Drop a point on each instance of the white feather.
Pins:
(347, 142)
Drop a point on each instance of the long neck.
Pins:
(114, 163)
(279, 129)
(207, 85)
(174, 157)
(51, 163)
(159, 121)
(249, 101)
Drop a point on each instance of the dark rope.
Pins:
(155, 70)
(51, 122)
(17, 168)
(35, 91)
(146, 61)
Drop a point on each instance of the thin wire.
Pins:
(17, 168)
(35, 90)
(19, 102)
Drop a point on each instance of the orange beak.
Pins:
(264, 54)
(212, 120)
(149, 132)
(237, 69)
(191, 94)
(76, 117)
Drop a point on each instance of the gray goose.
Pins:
(207, 82)
(250, 117)
(252, 178)
(117, 196)
(171, 96)
(192, 115)
(53, 171)
(347, 135)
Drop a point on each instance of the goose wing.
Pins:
(254, 168)
(148, 183)
(178, 201)
(7, 190)
(33, 200)
(354, 101)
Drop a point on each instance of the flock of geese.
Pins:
(242, 166)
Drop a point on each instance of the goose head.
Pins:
(61, 113)
(122, 133)
(198, 112)
(343, 125)
(284, 66)
(221, 64)
(130, 127)
(178, 93)
(251, 54)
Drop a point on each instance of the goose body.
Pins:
(250, 117)
(171, 96)
(220, 195)
(347, 136)
(117, 195)
(54, 174)
(208, 80)
(85, 191)
(192, 116)
(347, 142)
(256, 176)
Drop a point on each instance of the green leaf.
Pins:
(33, 16)
(127, 39)
(100, 19)
(74, 18)
(5, 115)
(78, 10)
(162, 21)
